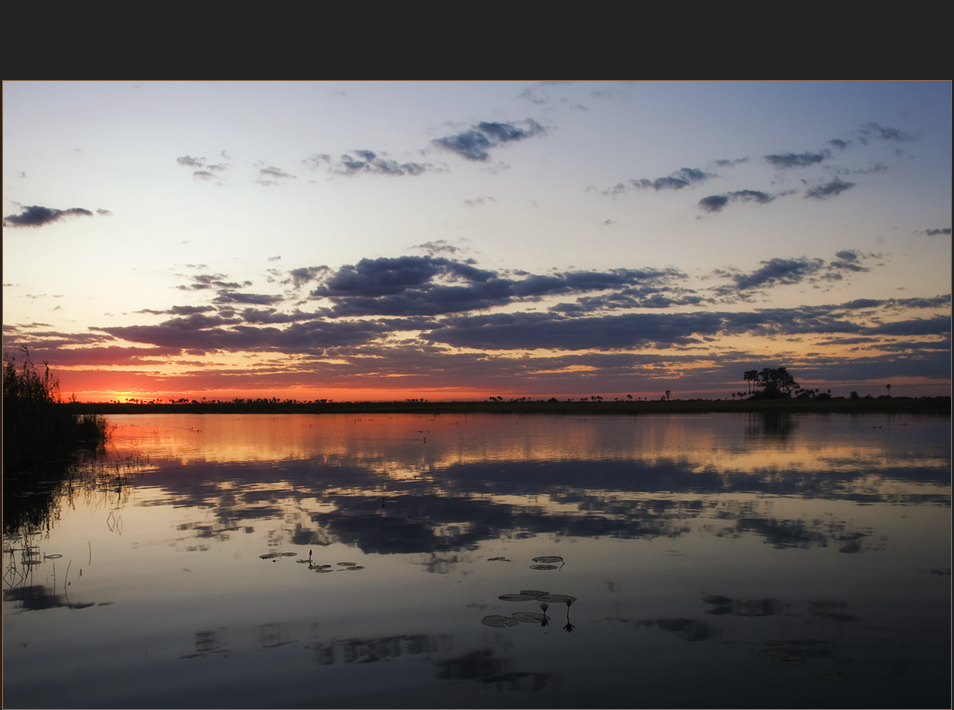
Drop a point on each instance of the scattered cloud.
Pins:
(475, 143)
(936, 232)
(831, 189)
(273, 176)
(716, 203)
(872, 130)
(684, 177)
(784, 161)
(36, 216)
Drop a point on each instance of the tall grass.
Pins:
(37, 425)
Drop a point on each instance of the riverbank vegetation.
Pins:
(38, 427)
(526, 405)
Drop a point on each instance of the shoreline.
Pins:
(921, 405)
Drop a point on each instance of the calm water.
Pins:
(715, 561)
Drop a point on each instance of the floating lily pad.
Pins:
(543, 567)
(302, 562)
(534, 592)
(529, 617)
(270, 556)
(829, 674)
(497, 559)
(321, 566)
(557, 598)
(517, 597)
(352, 569)
(289, 554)
(347, 564)
(54, 556)
(548, 558)
(498, 620)
(321, 570)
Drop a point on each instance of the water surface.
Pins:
(339, 561)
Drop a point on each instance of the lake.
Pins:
(721, 560)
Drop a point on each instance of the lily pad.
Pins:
(543, 567)
(289, 554)
(530, 617)
(534, 592)
(302, 562)
(347, 564)
(270, 556)
(54, 556)
(352, 569)
(517, 597)
(557, 598)
(498, 620)
(321, 570)
(548, 558)
(497, 559)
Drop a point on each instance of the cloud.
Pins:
(839, 144)
(190, 162)
(871, 130)
(273, 176)
(831, 189)
(475, 143)
(684, 177)
(367, 162)
(784, 161)
(299, 277)
(478, 201)
(36, 216)
(936, 232)
(778, 271)
(428, 285)
(104, 213)
(716, 203)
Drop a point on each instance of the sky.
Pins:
(461, 240)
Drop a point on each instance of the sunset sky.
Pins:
(365, 240)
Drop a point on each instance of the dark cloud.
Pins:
(190, 162)
(475, 143)
(259, 299)
(201, 282)
(839, 144)
(713, 203)
(684, 177)
(831, 189)
(299, 277)
(725, 163)
(936, 232)
(428, 285)
(104, 213)
(872, 130)
(783, 161)
(36, 216)
(716, 203)
(778, 271)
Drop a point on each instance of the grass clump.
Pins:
(37, 425)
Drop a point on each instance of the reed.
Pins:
(38, 426)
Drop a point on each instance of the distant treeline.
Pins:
(924, 405)
(37, 426)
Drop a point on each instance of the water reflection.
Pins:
(501, 562)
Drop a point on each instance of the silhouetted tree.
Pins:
(774, 383)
